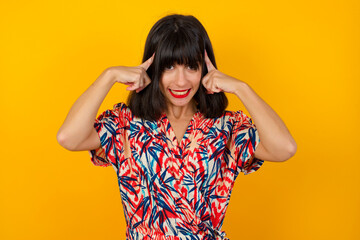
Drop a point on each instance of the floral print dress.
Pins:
(171, 190)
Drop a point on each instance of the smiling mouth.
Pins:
(179, 93)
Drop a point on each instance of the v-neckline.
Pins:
(188, 130)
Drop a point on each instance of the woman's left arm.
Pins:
(276, 143)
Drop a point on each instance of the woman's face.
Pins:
(179, 83)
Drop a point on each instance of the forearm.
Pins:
(273, 133)
(80, 120)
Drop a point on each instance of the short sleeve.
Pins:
(245, 140)
(110, 126)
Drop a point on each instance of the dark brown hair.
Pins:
(176, 39)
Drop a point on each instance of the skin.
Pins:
(77, 132)
(180, 110)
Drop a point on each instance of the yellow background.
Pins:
(301, 57)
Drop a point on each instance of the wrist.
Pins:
(106, 78)
(240, 88)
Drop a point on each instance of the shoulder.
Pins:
(121, 108)
(122, 111)
(233, 120)
(239, 117)
(233, 116)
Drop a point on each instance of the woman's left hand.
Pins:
(215, 81)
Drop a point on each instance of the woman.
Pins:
(175, 149)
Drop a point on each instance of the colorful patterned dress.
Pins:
(169, 190)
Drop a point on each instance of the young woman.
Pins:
(175, 149)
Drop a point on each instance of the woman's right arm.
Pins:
(77, 133)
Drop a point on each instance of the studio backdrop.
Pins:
(301, 57)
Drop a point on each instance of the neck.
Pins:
(179, 112)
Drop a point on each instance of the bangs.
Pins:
(180, 48)
(176, 39)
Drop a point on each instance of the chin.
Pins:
(180, 103)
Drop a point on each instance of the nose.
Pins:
(180, 78)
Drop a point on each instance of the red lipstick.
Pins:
(179, 93)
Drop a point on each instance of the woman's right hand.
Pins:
(135, 77)
(77, 133)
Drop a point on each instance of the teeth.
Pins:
(179, 93)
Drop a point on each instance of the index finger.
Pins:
(208, 62)
(148, 62)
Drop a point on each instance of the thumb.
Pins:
(208, 62)
(148, 62)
